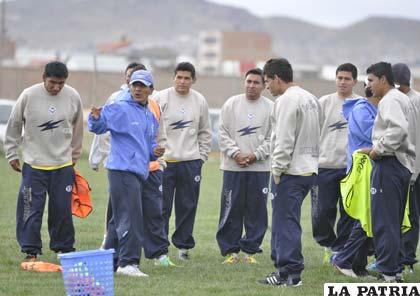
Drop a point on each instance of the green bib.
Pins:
(355, 192)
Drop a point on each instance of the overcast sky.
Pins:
(329, 12)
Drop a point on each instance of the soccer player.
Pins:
(294, 152)
(332, 166)
(50, 113)
(188, 134)
(244, 140)
(393, 156)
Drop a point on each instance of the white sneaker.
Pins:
(103, 243)
(389, 278)
(346, 272)
(131, 270)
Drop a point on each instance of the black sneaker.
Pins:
(274, 279)
(363, 273)
(399, 277)
(183, 255)
(294, 282)
(388, 278)
(409, 268)
(276, 273)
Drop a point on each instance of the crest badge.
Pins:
(51, 110)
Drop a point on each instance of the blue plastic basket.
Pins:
(88, 273)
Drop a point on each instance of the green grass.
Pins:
(203, 275)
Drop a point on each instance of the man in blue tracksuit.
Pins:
(100, 147)
(394, 157)
(156, 243)
(360, 114)
(133, 140)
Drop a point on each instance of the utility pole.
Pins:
(2, 39)
(3, 28)
(94, 79)
(3, 16)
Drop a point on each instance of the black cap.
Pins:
(402, 74)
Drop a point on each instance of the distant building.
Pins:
(153, 57)
(114, 46)
(232, 53)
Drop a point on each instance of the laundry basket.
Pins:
(88, 273)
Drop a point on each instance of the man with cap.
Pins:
(99, 149)
(156, 242)
(402, 77)
(133, 130)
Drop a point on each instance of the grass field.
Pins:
(203, 275)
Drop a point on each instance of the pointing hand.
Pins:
(96, 112)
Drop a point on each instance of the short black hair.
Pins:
(382, 69)
(255, 71)
(136, 68)
(347, 67)
(280, 67)
(56, 69)
(185, 66)
(136, 65)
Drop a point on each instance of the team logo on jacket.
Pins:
(373, 190)
(50, 125)
(248, 130)
(265, 190)
(339, 125)
(197, 178)
(180, 124)
(51, 110)
(69, 188)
